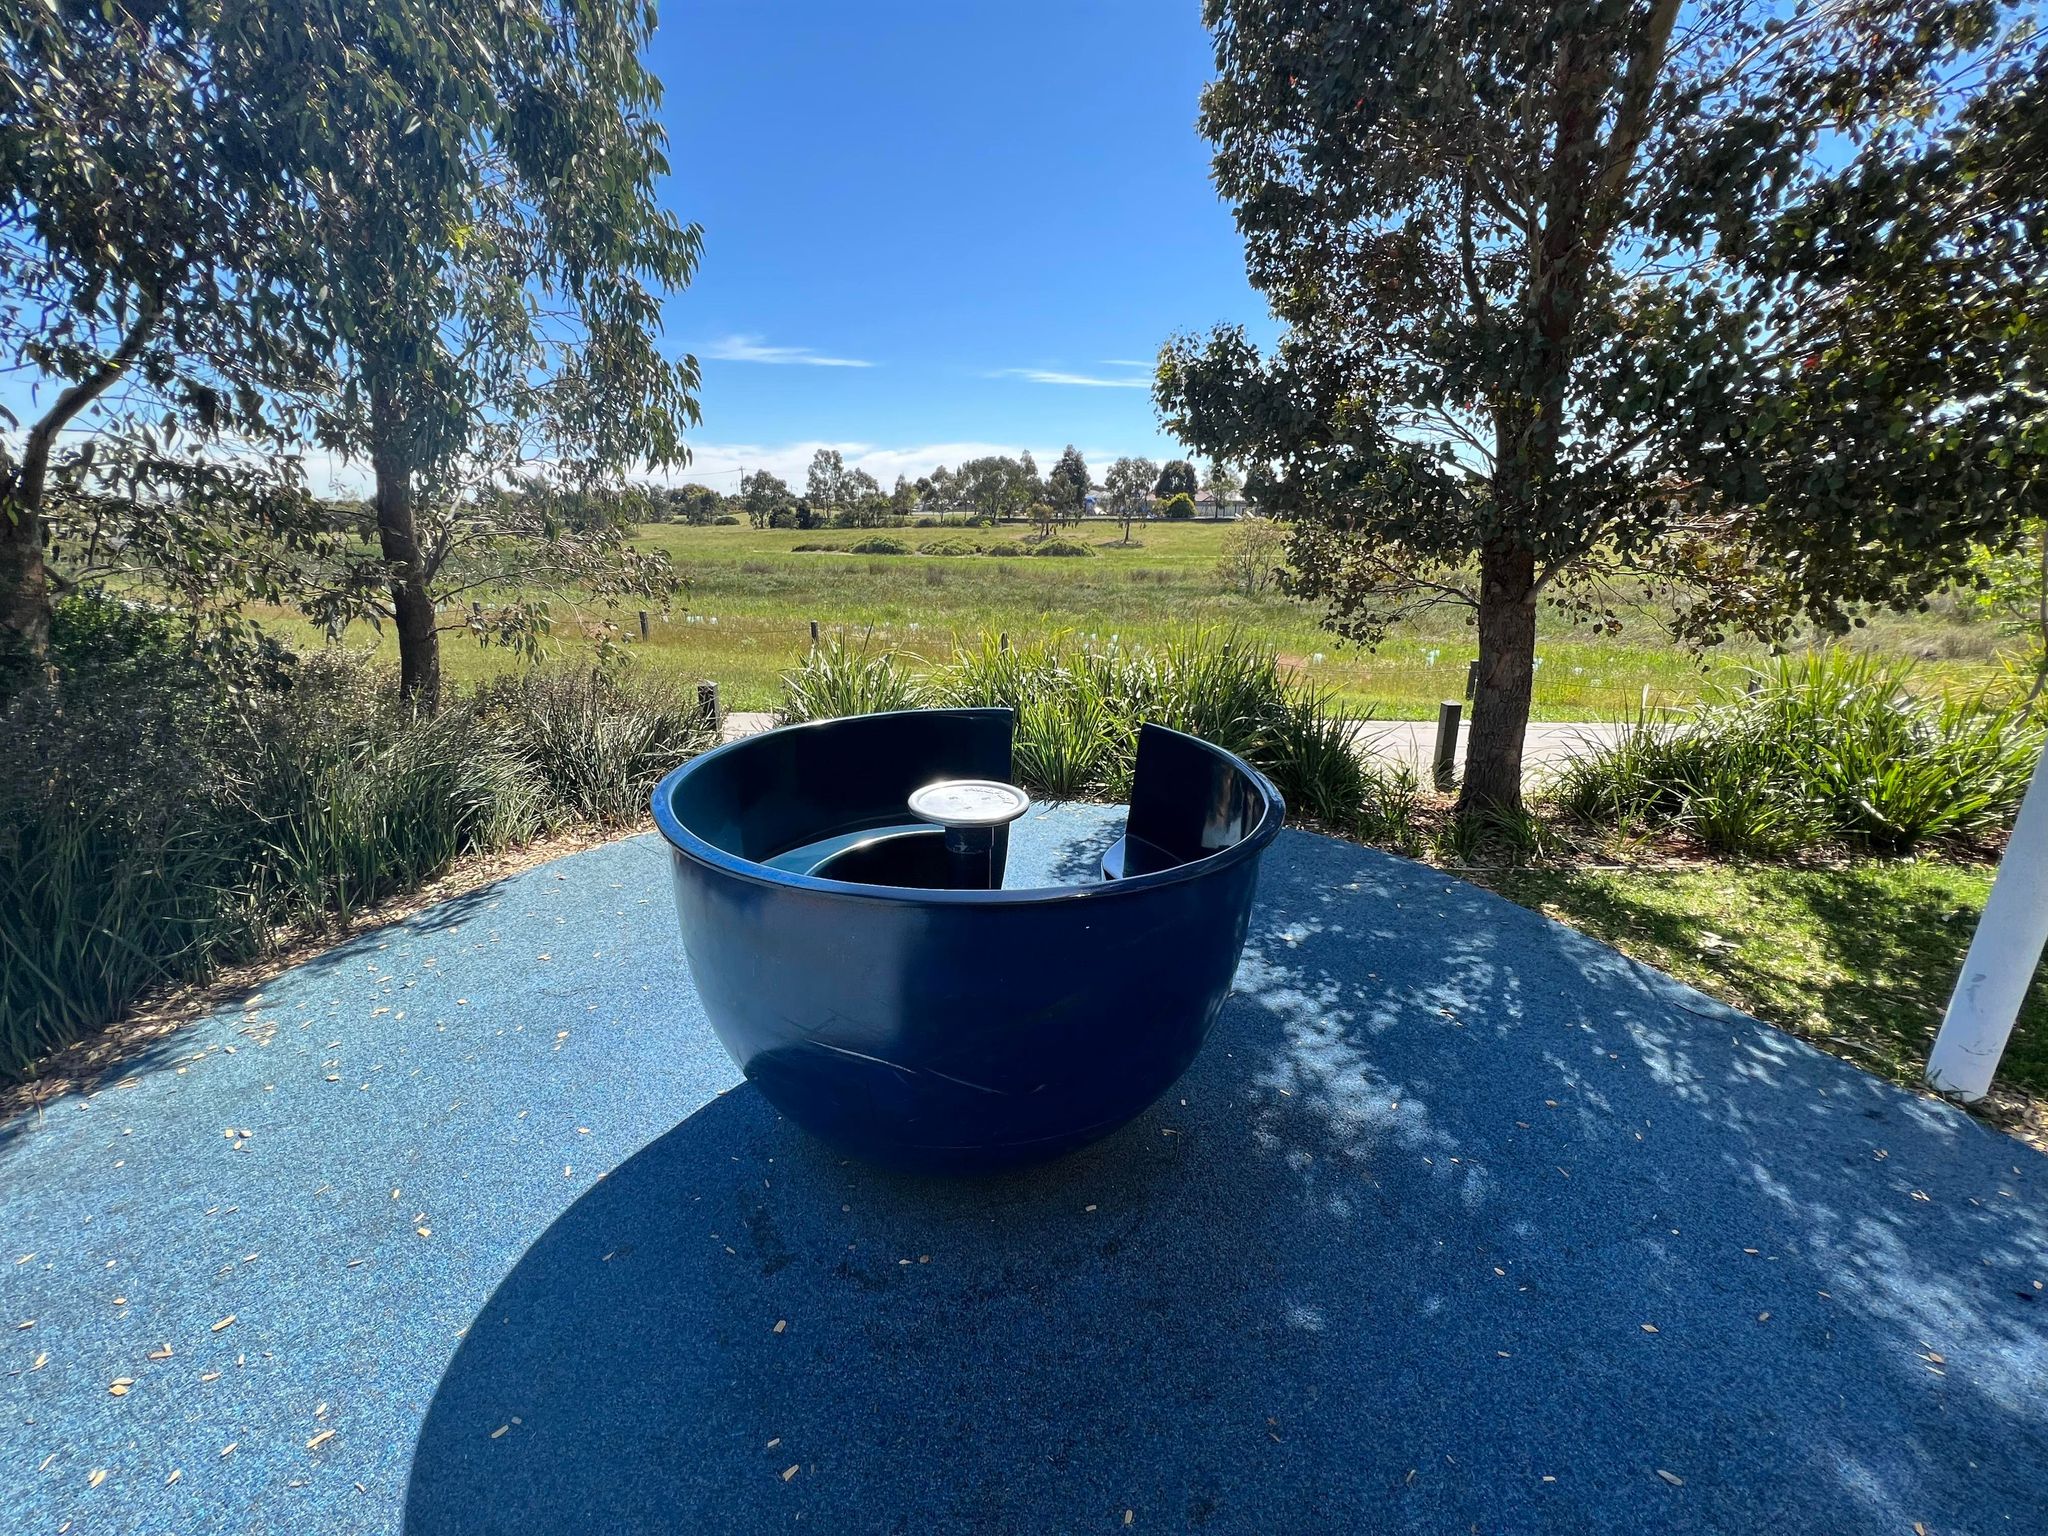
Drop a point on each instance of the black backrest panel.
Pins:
(1187, 799)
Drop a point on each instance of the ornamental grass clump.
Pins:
(168, 808)
(1827, 748)
(1080, 705)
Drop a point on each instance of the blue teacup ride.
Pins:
(840, 887)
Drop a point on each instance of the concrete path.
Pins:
(1547, 746)
(1461, 1221)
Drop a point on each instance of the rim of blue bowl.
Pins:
(1272, 815)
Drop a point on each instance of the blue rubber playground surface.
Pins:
(1460, 1222)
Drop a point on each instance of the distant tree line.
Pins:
(983, 490)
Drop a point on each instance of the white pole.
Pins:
(2002, 959)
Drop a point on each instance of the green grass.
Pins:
(745, 620)
(1860, 959)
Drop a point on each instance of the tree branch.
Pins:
(42, 438)
(1639, 88)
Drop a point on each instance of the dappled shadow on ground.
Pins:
(1886, 944)
(1078, 860)
(1461, 1220)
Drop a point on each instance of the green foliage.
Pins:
(422, 235)
(1744, 306)
(994, 487)
(950, 547)
(1176, 478)
(1062, 549)
(162, 812)
(1006, 548)
(1178, 507)
(1254, 552)
(1065, 742)
(1493, 836)
(593, 743)
(763, 495)
(1130, 489)
(1829, 747)
(1067, 486)
(841, 677)
(880, 544)
(150, 236)
(1079, 708)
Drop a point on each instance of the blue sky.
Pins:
(998, 211)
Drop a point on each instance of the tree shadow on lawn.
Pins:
(1460, 1220)
(1887, 944)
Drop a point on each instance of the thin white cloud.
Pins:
(754, 349)
(1083, 380)
(1129, 362)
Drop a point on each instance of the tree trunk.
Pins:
(419, 637)
(1500, 695)
(24, 584)
(24, 578)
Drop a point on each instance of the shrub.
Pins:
(949, 547)
(166, 809)
(1079, 711)
(1007, 549)
(1312, 755)
(1178, 507)
(879, 544)
(1066, 547)
(1064, 745)
(808, 548)
(1253, 551)
(593, 744)
(726, 520)
(839, 678)
(1829, 746)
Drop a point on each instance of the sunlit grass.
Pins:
(1860, 959)
(746, 615)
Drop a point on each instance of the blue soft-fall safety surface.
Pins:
(1460, 1221)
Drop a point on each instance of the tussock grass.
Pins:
(1832, 747)
(160, 817)
(1080, 705)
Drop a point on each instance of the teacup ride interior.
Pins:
(840, 890)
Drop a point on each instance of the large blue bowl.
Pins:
(947, 1029)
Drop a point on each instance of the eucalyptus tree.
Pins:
(1740, 302)
(764, 494)
(994, 486)
(825, 481)
(1129, 487)
(496, 261)
(1176, 478)
(149, 302)
(1066, 488)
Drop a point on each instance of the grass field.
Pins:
(751, 595)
